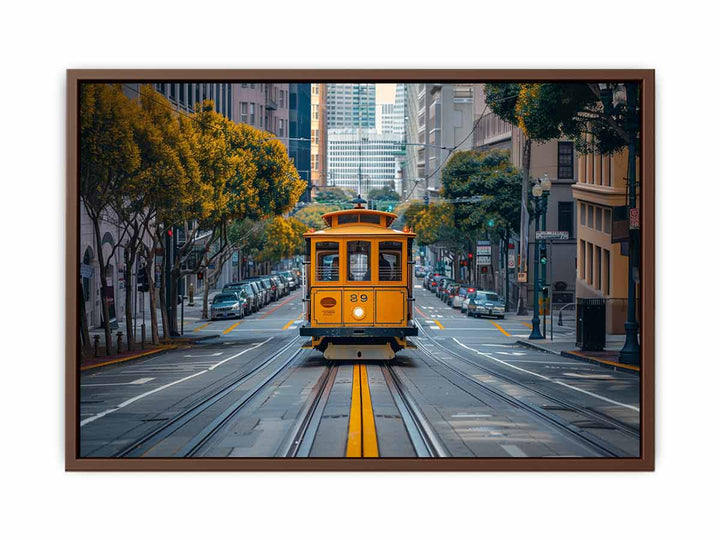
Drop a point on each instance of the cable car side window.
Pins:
(327, 260)
(347, 218)
(358, 253)
(390, 261)
(370, 218)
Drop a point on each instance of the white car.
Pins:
(459, 299)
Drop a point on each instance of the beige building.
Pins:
(318, 135)
(264, 106)
(602, 268)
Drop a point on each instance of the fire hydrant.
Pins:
(191, 295)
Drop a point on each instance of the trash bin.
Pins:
(590, 328)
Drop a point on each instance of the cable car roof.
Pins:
(328, 217)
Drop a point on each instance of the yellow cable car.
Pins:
(358, 295)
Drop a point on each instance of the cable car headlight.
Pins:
(358, 313)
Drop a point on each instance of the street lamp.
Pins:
(630, 353)
(537, 193)
(545, 184)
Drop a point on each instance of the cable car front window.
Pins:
(390, 261)
(358, 261)
(327, 255)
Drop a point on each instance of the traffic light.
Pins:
(142, 280)
(543, 255)
(483, 269)
(200, 275)
(390, 208)
(470, 255)
(491, 223)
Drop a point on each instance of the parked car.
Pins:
(442, 285)
(420, 271)
(245, 289)
(227, 305)
(286, 282)
(451, 292)
(261, 291)
(460, 297)
(485, 303)
(272, 289)
(290, 279)
(280, 286)
(431, 281)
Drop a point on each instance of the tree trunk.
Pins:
(103, 285)
(163, 302)
(84, 331)
(523, 290)
(206, 291)
(129, 263)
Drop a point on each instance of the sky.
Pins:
(385, 93)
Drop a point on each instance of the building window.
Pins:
(581, 258)
(598, 219)
(589, 267)
(607, 221)
(565, 217)
(565, 161)
(598, 264)
(606, 272)
(590, 215)
(251, 114)
(243, 112)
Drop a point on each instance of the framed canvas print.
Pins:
(360, 270)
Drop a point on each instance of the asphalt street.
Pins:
(467, 390)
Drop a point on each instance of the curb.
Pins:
(190, 340)
(576, 355)
(607, 363)
(162, 348)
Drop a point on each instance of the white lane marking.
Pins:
(471, 415)
(496, 345)
(435, 327)
(603, 398)
(136, 381)
(589, 376)
(511, 353)
(134, 399)
(418, 286)
(201, 355)
(513, 450)
(255, 346)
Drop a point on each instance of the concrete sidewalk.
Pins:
(192, 318)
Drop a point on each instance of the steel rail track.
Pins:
(563, 404)
(299, 441)
(425, 441)
(587, 439)
(149, 440)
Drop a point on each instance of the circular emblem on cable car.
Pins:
(327, 302)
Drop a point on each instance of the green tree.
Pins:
(109, 157)
(311, 214)
(283, 239)
(333, 196)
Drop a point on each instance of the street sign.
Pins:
(511, 259)
(634, 218)
(522, 277)
(484, 260)
(552, 235)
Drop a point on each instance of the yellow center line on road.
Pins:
(527, 324)
(362, 436)
(500, 328)
(440, 326)
(370, 445)
(354, 440)
(228, 330)
(201, 326)
(290, 322)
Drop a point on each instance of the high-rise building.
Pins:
(318, 135)
(300, 132)
(351, 105)
(439, 120)
(362, 161)
(385, 118)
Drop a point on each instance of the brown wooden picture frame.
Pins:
(644, 77)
